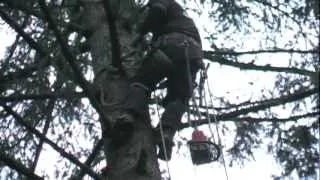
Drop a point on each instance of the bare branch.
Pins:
(61, 151)
(115, 45)
(18, 166)
(43, 96)
(210, 55)
(23, 73)
(291, 118)
(239, 53)
(48, 120)
(263, 105)
(12, 48)
(48, 115)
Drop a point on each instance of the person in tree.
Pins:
(176, 54)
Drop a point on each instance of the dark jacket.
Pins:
(167, 16)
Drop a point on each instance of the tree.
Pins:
(64, 77)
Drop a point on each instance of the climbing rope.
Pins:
(204, 74)
(197, 107)
(162, 136)
(217, 129)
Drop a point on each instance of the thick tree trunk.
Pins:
(135, 158)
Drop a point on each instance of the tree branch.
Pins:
(239, 53)
(210, 55)
(43, 96)
(61, 151)
(71, 60)
(261, 106)
(32, 43)
(48, 119)
(18, 166)
(44, 133)
(115, 45)
(12, 49)
(291, 118)
(23, 73)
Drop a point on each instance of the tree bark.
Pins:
(135, 158)
(132, 158)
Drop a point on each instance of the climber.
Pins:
(176, 42)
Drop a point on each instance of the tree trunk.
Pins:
(136, 158)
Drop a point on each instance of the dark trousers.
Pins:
(181, 50)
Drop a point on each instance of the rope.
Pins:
(217, 129)
(203, 78)
(208, 117)
(197, 107)
(162, 137)
(198, 113)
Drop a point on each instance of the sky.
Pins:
(220, 79)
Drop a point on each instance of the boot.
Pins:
(170, 121)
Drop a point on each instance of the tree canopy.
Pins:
(48, 80)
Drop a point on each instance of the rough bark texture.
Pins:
(136, 158)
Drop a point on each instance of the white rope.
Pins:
(208, 116)
(217, 129)
(197, 108)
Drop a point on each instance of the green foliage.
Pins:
(296, 149)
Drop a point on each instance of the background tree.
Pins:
(62, 85)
